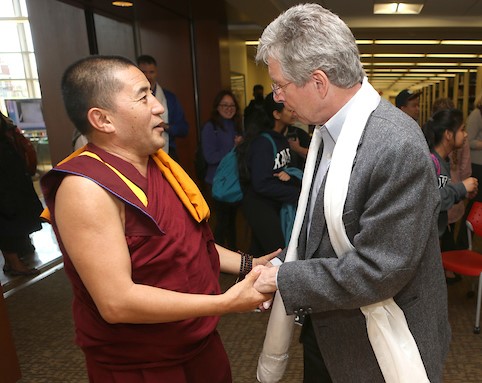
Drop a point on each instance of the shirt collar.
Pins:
(334, 124)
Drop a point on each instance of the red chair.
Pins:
(468, 262)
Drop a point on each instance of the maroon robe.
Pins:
(168, 249)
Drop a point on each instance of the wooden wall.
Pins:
(185, 39)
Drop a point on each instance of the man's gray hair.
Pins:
(308, 37)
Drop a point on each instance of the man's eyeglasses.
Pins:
(227, 106)
(276, 88)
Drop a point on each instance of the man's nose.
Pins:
(157, 107)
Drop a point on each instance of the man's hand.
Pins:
(244, 297)
(266, 282)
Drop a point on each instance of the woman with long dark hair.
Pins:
(263, 158)
(445, 133)
(219, 135)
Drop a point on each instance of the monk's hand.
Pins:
(244, 297)
(265, 259)
(266, 282)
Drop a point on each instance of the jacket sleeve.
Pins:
(390, 217)
(212, 149)
(474, 128)
(261, 163)
(451, 193)
(178, 126)
(464, 163)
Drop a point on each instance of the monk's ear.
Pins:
(100, 119)
(321, 81)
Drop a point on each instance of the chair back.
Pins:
(474, 219)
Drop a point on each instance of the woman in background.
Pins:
(20, 206)
(460, 169)
(445, 133)
(267, 186)
(218, 136)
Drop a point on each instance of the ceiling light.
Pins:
(438, 64)
(461, 42)
(408, 42)
(397, 9)
(252, 42)
(392, 64)
(428, 70)
(123, 3)
(454, 55)
(459, 70)
(399, 55)
(390, 70)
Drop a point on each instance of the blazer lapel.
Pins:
(318, 224)
(304, 248)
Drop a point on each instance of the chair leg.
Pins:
(477, 314)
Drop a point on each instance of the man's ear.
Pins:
(100, 119)
(276, 115)
(321, 82)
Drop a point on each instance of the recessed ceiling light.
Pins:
(407, 42)
(452, 55)
(461, 42)
(123, 3)
(397, 9)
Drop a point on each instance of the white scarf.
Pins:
(390, 337)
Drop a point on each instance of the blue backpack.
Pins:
(226, 185)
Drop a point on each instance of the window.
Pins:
(18, 69)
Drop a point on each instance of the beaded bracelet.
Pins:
(246, 265)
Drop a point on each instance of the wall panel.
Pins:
(60, 38)
(114, 37)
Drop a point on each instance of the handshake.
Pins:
(256, 290)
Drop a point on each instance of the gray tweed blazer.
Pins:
(390, 217)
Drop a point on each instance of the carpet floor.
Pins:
(41, 320)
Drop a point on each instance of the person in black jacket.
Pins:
(266, 185)
(20, 206)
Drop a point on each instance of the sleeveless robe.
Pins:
(168, 249)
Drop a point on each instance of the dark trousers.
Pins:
(263, 217)
(314, 369)
(225, 230)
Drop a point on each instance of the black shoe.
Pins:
(15, 273)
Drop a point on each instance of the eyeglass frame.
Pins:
(276, 88)
(227, 106)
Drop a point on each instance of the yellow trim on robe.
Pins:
(183, 185)
(135, 189)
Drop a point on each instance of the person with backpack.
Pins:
(445, 133)
(218, 136)
(266, 183)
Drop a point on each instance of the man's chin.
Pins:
(160, 144)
